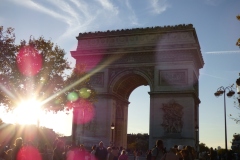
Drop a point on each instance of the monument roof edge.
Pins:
(134, 31)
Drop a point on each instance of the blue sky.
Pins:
(214, 20)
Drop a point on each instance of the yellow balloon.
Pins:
(84, 93)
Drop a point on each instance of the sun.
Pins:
(28, 112)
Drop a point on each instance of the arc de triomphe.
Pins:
(166, 58)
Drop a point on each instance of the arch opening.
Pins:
(127, 83)
(139, 111)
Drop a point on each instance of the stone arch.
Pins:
(168, 59)
(124, 82)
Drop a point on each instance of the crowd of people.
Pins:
(177, 152)
(61, 151)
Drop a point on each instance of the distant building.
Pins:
(236, 142)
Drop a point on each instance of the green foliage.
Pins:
(8, 67)
(49, 83)
(203, 148)
(138, 141)
(237, 105)
(238, 17)
(238, 41)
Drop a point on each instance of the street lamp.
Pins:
(196, 144)
(238, 87)
(112, 128)
(221, 90)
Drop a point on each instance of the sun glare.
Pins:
(28, 112)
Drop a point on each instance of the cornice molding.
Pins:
(134, 31)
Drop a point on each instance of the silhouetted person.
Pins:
(158, 151)
(17, 152)
(123, 156)
(58, 151)
(149, 155)
(101, 152)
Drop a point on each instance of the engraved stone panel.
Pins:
(172, 77)
(97, 79)
(173, 56)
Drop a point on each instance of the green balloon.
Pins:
(84, 93)
(73, 96)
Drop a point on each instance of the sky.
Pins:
(215, 23)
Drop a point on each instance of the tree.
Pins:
(237, 105)
(38, 69)
(238, 41)
(203, 147)
(8, 67)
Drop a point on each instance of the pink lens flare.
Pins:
(76, 153)
(83, 112)
(29, 61)
(29, 153)
(89, 62)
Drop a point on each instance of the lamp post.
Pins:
(196, 143)
(112, 128)
(238, 87)
(221, 90)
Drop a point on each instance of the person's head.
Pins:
(81, 147)
(180, 147)
(123, 152)
(175, 146)
(19, 142)
(94, 147)
(109, 149)
(101, 144)
(159, 143)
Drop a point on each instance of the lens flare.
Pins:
(73, 96)
(90, 62)
(83, 112)
(27, 112)
(84, 93)
(28, 153)
(29, 61)
(75, 153)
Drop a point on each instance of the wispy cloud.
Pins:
(65, 7)
(35, 6)
(222, 52)
(108, 5)
(78, 15)
(209, 75)
(83, 16)
(82, 7)
(132, 17)
(159, 6)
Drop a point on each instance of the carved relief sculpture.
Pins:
(172, 118)
(173, 77)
